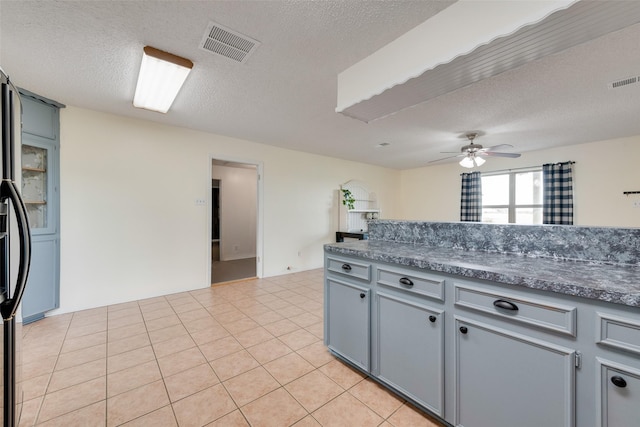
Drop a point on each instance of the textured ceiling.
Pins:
(87, 54)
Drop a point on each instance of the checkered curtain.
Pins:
(557, 207)
(471, 198)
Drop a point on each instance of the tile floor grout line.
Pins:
(39, 410)
(292, 297)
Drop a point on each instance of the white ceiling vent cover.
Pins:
(227, 42)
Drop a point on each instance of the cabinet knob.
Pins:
(346, 267)
(362, 295)
(432, 319)
(463, 329)
(505, 305)
(618, 381)
(405, 281)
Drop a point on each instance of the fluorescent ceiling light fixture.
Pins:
(162, 74)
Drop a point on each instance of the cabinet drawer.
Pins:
(412, 281)
(357, 269)
(554, 317)
(619, 332)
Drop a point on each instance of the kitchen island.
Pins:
(493, 325)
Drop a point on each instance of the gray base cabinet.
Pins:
(410, 349)
(477, 353)
(619, 394)
(348, 321)
(507, 379)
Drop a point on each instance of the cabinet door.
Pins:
(619, 395)
(40, 178)
(505, 379)
(348, 319)
(410, 349)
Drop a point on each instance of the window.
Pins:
(512, 197)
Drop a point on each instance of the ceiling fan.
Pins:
(472, 154)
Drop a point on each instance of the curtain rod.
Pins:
(560, 163)
(522, 169)
(503, 171)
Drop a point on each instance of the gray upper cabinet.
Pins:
(39, 118)
(40, 191)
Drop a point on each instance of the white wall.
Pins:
(602, 172)
(130, 227)
(238, 211)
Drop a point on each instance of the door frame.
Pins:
(259, 211)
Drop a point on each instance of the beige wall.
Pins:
(130, 227)
(602, 172)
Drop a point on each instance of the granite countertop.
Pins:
(616, 283)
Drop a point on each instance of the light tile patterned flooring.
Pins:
(246, 353)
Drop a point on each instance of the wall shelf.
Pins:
(355, 220)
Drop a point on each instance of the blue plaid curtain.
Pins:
(557, 207)
(471, 198)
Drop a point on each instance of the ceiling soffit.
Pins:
(561, 29)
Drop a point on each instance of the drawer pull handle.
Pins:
(346, 267)
(406, 281)
(463, 329)
(362, 295)
(618, 381)
(506, 305)
(432, 319)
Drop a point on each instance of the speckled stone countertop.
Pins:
(616, 283)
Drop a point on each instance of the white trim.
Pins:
(512, 206)
(519, 170)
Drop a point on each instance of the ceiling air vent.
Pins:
(228, 43)
(624, 82)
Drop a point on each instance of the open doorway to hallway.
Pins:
(234, 221)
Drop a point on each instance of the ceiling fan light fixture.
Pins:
(467, 162)
(161, 77)
(471, 160)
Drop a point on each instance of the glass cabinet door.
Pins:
(36, 186)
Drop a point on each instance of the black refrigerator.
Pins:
(15, 254)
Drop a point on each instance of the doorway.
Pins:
(234, 221)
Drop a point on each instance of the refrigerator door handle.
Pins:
(8, 190)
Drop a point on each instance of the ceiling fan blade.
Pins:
(497, 154)
(445, 158)
(497, 147)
